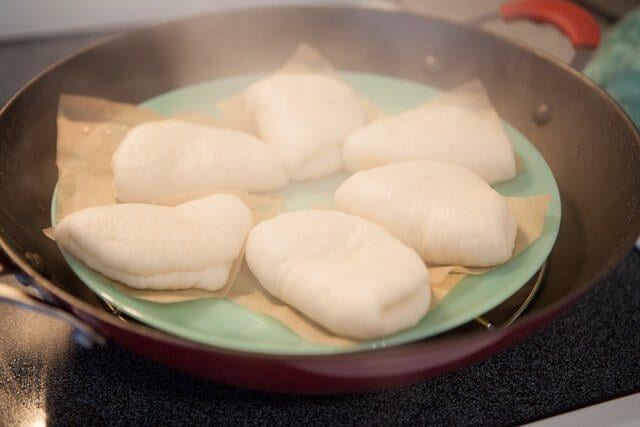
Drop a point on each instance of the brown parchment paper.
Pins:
(305, 59)
(89, 131)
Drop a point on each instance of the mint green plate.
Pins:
(220, 322)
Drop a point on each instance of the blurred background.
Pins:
(69, 24)
(24, 19)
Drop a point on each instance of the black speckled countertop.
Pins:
(588, 355)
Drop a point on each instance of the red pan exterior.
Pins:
(326, 374)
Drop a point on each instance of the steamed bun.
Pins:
(157, 247)
(345, 273)
(447, 213)
(173, 157)
(459, 127)
(305, 118)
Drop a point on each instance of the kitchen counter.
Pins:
(588, 355)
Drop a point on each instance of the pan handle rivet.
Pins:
(542, 115)
(432, 64)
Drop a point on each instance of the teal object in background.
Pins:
(625, 88)
(223, 323)
(616, 65)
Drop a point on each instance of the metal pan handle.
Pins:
(574, 21)
(578, 24)
(28, 298)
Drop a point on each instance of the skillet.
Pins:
(589, 143)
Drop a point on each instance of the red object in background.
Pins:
(578, 24)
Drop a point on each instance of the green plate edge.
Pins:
(223, 323)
